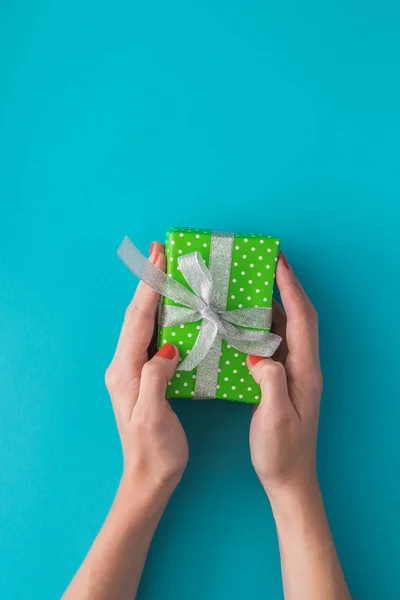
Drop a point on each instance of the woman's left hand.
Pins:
(154, 444)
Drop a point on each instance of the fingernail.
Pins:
(151, 248)
(285, 262)
(167, 351)
(154, 257)
(255, 359)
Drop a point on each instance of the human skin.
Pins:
(283, 437)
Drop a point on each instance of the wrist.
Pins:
(140, 496)
(294, 498)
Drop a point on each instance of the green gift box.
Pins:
(250, 272)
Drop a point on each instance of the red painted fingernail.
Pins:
(285, 262)
(167, 351)
(154, 257)
(255, 359)
(151, 248)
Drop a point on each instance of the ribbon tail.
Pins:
(266, 348)
(177, 315)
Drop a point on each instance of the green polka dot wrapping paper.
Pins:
(251, 283)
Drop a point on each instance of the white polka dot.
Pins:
(264, 299)
(224, 395)
(218, 386)
(276, 259)
(250, 281)
(187, 351)
(241, 380)
(260, 258)
(236, 247)
(193, 376)
(242, 289)
(192, 393)
(249, 389)
(234, 387)
(244, 256)
(178, 374)
(236, 354)
(164, 341)
(235, 371)
(248, 297)
(179, 251)
(178, 268)
(228, 346)
(251, 265)
(240, 395)
(258, 274)
(189, 244)
(227, 362)
(235, 264)
(267, 283)
(267, 266)
(169, 382)
(245, 240)
(176, 391)
(205, 245)
(169, 274)
(261, 241)
(243, 364)
(233, 297)
(219, 370)
(240, 305)
(180, 342)
(233, 280)
(172, 242)
(189, 335)
(185, 384)
(226, 378)
(181, 235)
(268, 249)
(181, 326)
(255, 397)
(197, 326)
(243, 273)
(197, 236)
(277, 242)
(173, 333)
(253, 249)
(258, 291)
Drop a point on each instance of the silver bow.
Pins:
(239, 327)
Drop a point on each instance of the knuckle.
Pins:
(273, 369)
(151, 371)
(112, 377)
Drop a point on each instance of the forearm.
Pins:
(310, 565)
(114, 564)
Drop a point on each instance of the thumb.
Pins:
(271, 377)
(156, 374)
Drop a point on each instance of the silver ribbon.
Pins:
(239, 327)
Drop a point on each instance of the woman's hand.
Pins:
(154, 444)
(284, 427)
(283, 439)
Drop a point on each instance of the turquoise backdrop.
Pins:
(125, 118)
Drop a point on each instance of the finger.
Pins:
(138, 326)
(271, 377)
(156, 374)
(302, 320)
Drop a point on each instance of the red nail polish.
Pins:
(154, 257)
(151, 248)
(255, 359)
(285, 262)
(167, 351)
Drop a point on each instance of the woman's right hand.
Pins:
(284, 426)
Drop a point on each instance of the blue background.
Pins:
(125, 118)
